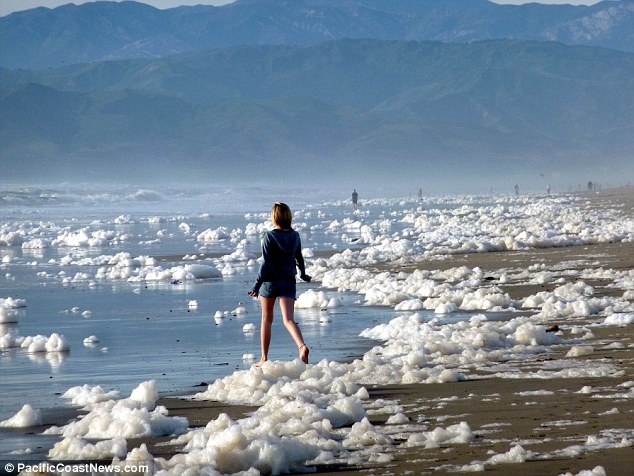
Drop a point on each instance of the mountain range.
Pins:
(42, 38)
(346, 104)
(393, 109)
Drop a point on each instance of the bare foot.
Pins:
(259, 364)
(303, 353)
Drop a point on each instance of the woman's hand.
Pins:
(253, 294)
(306, 278)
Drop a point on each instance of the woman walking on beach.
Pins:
(282, 255)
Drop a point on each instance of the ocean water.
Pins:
(148, 329)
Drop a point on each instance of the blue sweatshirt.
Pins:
(282, 253)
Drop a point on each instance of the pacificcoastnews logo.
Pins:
(92, 468)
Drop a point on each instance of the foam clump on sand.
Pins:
(225, 446)
(619, 319)
(363, 434)
(26, 417)
(311, 406)
(87, 395)
(302, 417)
(570, 299)
(517, 454)
(78, 449)
(306, 414)
(454, 434)
(580, 351)
(417, 351)
(593, 443)
(299, 409)
(417, 291)
(110, 419)
(596, 471)
(134, 459)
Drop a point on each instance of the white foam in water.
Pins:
(239, 311)
(218, 234)
(91, 340)
(319, 412)
(35, 344)
(10, 309)
(315, 299)
(26, 417)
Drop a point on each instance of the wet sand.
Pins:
(554, 416)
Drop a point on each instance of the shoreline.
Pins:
(511, 409)
(500, 411)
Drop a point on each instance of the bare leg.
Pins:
(265, 330)
(288, 314)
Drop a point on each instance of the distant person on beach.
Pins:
(282, 254)
(420, 193)
(355, 199)
(517, 189)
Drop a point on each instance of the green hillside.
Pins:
(344, 105)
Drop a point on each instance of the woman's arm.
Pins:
(265, 257)
(299, 260)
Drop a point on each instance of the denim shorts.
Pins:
(275, 289)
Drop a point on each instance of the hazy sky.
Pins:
(8, 6)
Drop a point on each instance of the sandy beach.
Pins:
(555, 421)
(545, 416)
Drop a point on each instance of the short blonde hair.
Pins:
(281, 215)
